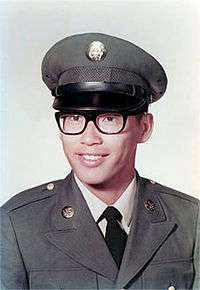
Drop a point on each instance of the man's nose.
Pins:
(91, 135)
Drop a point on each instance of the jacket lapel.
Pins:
(79, 237)
(149, 231)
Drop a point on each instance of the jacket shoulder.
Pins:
(31, 195)
(179, 206)
(169, 192)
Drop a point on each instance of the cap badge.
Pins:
(96, 51)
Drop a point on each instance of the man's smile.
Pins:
(91, 160)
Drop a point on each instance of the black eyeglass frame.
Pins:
(92, 116)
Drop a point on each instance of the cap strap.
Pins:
(116, 88)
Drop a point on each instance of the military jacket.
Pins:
(46, 247)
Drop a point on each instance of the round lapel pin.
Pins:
(149, 205)
(68, 212)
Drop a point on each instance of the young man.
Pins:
(103, 227)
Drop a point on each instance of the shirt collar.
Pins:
(124, 204)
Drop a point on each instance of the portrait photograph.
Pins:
(100, 137)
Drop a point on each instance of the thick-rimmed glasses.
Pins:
(74, 123)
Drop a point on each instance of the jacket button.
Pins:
(171, 288)
(152, 181)
(150, 206)
(50, 186)
(67, 212)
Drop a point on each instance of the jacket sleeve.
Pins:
(196, 284)
(13, 273)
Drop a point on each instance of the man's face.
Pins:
(102, 160)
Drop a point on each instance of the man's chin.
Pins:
(91, 179)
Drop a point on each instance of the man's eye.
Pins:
(72, 118)
(109, 118)
(75, 118)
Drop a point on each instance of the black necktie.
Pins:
(115, 236)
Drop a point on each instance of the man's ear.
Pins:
(146, 127)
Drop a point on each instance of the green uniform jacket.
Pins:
(43, 250)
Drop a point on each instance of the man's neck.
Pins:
(109, 193)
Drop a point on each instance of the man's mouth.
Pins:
(92, 159)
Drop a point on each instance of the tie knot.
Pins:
(111, 213)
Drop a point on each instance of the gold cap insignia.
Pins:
(96, 51)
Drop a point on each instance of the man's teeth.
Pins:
(92, 157)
